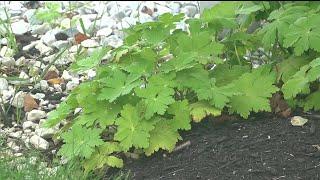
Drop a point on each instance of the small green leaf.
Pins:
(132, 130)
(256, 88)
(312, 102)
(80, 141)
(202, 109)
(118, 85)
(155, 99)
(163, 136)
(181, 113)
(103, 157)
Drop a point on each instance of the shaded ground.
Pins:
(270, 148)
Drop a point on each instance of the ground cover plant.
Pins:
(33, 166)
(164, 78)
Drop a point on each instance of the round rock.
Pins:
(39, 143)
(20, 27)
(35, 115)
(28, 124)
(3, 84)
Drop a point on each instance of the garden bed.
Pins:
(261, 148)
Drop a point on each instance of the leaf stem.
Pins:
(236, 50)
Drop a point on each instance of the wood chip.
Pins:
(29, 103)
(79, 37)
(51, 75)
(56, 81)
(182, 146)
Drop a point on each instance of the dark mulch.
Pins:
(261, 148)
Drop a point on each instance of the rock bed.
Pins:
(28, 100)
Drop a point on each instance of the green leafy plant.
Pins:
(6, 31)
(164, 78)
(50, 13)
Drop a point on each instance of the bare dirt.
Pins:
(264, 147)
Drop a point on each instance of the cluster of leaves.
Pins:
(164, 78)
(54, 12)
(50, 13)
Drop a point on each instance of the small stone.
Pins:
(31, 18)
(18, 100)
(27, 131)
(91, 73)
(74, 48)
(43, 85)
(65, 59)
(60, 44)
(197, 16)
(6, 52)
(49, 58)
(65, 23)
(3, 85)
(77, 110)
(57, 87)
(298, 121)
(118, 15)
(6, 95)
(20, 27)
(106, 21)
(39, 96)
(23, 75)
(63, 161)
(61, 36)
(35, 115)
(43, 102)
(189, 10)
(18, 154)
(31, 45)
(28, 124)
(40, 29)
(175, 6)
(162, 9)
(49, 37)
(43, 48)
(45, 132)
(39, 143)
(66, 75)
(54, 151)
(72, 84)
(71, 32)
(21, 61)
(7, 61)
(143, 18)
(13, 146)
(104, 32)
(119, 33)
(113, 41)
(15, 134)
(89, 43)
(4, 41)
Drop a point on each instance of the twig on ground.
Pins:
(182, 146)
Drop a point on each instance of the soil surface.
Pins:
(261, 148)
